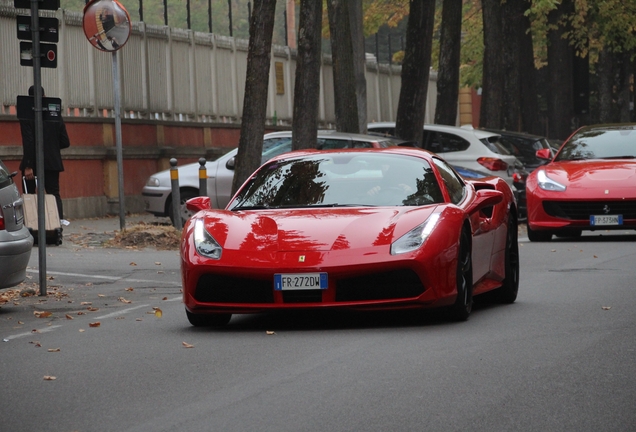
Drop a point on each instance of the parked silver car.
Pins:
(16, 241)
(157, 193)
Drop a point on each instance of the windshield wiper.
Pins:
(252, 207)
(620, 157)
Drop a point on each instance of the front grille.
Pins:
(302, 296)
(228, 289)
(380, 286)
(582, 210)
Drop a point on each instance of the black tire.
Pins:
(208, 320)
(539, 236)
(508, 291)
(463, 306)
(185, 195)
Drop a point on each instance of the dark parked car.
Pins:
(16, 241)
(524, 146)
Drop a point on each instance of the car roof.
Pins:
(405, 151)
(460, 130)
(331, 133)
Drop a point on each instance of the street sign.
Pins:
(51, 108)
(48, 28)
(42, 4)
(49, 54)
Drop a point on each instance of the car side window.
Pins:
(452, 143)
(431, 142)
(327, 144)
(454, 184)
(361, 144)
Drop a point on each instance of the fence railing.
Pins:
(175, 74)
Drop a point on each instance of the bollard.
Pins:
(203, 178)
(176, 196)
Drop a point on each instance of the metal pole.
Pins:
(120, 158)
(229, 14)
(39, 144)
(176, 195)
(165, 12)
(203, 178)
(210, 15)
(188, 14)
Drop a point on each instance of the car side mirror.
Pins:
(486, 198)
(545, 154)
(231, 163)
(197, 204)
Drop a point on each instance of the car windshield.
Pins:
(613, 143)
(341, 180)
(524, 149)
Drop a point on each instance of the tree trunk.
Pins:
(449, 60)
(250, 148)
(560, 97)
(415, 70)
(359, 61)
(528, 76)
(492, 102)
(604, 81)
(344, 74)
(512, 26)
(307, 85)
(623, 87)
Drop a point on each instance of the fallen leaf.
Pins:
(82, 330)
(92, 309)
(269, 332)
(187, 345)
(606, 307)
(595, 256)
(101, 295)
(123, 300)
(94, 324)
(49, 378)
(53, 350)
(88, 284)
(20, 322)
(69, 317)
(42, 314)
(158, 313)
(157, 263)
(133, 264)
(35, 331)
(139, 319)
(165, 298)
(86, 303)
(130, 289)
(553, 250)
(81, 313)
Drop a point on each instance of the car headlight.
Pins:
(415, 238)
(546, 183)
(204, 243)
(153, 182)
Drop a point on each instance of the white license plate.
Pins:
(300, 281)
(606, 220)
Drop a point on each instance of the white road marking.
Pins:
(112, 278)
(44, 330)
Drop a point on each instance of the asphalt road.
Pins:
(561, 358)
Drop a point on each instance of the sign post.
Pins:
(30, 28)
(107, 27)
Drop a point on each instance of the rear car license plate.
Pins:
(596, 220)
(300, 281)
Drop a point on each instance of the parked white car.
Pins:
(157, 194)
(464, 146)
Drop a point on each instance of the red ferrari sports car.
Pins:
(590, 184)
(362, 229)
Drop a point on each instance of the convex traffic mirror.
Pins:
(106, 24)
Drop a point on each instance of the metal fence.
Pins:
(173, 74)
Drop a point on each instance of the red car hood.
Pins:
(312, 230)
(601, 175)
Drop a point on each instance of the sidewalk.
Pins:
(111, 224)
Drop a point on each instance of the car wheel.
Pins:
(185, 195)
(208, 320)
(464, 280)
(539, 236)
(507, 293)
